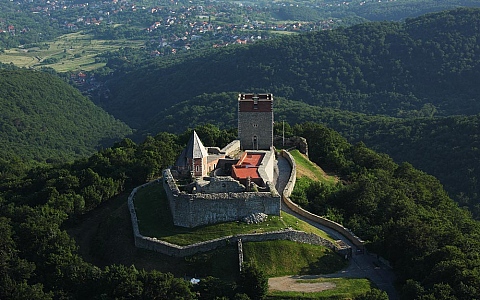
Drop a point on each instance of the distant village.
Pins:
(182, 22)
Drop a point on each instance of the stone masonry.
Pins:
(191, 210)
(255, 121)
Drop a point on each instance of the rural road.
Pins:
(362, 265)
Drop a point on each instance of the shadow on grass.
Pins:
(329, 263)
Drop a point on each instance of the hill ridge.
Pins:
(46, 120)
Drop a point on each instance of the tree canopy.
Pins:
(404, 214)
(44, 119)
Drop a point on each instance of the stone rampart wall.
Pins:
(287, 191)
(163, 247)
(296, 208)
(182, 251)
(289, 234)
(133, 213)
(267, 166)
(191, 210)
(171, 190)
(220, 184)
(240, 254)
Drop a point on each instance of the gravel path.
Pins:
(292, 284)
(361, 266)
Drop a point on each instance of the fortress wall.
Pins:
(287, 191)
(267, 166)
(323, 221)
(133, 214)
(182, 251)
(222, 184)
(171, 189)
(193, 210)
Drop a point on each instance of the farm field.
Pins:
(70, 52)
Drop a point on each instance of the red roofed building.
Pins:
(246, 169)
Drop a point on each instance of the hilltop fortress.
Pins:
(209, 185)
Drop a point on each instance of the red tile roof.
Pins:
(247, 166)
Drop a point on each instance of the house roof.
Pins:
(247, 166)
(194, 149)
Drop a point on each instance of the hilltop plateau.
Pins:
(403, 214)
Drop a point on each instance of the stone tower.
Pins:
(194, 157)
(255, 121)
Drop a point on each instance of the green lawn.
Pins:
(306, 168)
(155, 220)
(275, 258)
(279, 258)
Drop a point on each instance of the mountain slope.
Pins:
(398, 69)
(43, 118)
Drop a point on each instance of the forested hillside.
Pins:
(427, 66)
(45, 120)
(402, 213)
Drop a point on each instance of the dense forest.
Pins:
(46, 120)
(402, 213)
(39, 259)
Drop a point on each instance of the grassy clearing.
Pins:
(346, 288)
(155, 220)
(70, 52)
(279, 258)
(306, 168)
